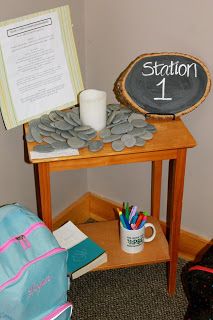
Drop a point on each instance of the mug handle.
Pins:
(148, 224)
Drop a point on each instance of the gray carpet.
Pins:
(137, 293)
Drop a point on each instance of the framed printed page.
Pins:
(39, 68)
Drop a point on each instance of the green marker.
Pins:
(146, 213)
(127, 210)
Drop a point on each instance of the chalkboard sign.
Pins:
(164, 84)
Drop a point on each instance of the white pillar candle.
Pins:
(93, 108)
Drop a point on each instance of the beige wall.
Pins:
(16, 177)
(116, 33)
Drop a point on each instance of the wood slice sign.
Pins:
(164, 84)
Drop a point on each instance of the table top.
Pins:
(170, 135)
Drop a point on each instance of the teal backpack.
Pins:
(33, 269)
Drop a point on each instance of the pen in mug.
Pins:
(146, 213)
(132, 213)
(134, 218)
(142, 224)
(123, 220)
(127, 210)
(139, 220)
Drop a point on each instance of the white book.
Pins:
(83, 253)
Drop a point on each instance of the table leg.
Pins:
(156, 188)
(174, 208)
(43, 192)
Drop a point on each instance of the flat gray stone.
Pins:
(138, 123)
(135, 115)
(90, 131)
(59, 145)
(128, 140)
(76, 143)
(75, 118)
(44, 132)
(122, 128)
(73, 133)
(114, 106)
(54, 116)
(52, 124)
(60, 113)
(34, 123)
(151, 128)
(66, 135)
(45, 119)
(104, 133)
(111, 117)
(147, 135)
(58, 131)
(140, 142)
(137, 132)
(36, 134)
(81, 128)
(120, 117)
(95, 146)
(118, 145)
(67, 113)
(43, 148)
(46, 128)
(115, 124)
(125, 110)
(57, 137)
(111, 138)
(70, 121)
(63, 125)
(92, 135)
(29, 137)
(83, 136)
(49, 140)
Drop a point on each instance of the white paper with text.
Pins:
(36, 66)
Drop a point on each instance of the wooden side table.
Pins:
(170, 142)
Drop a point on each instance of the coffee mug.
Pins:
(132, 241)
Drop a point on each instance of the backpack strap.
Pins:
(201, 268)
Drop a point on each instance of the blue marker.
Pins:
(124, 221)
(142, 224)
(134, 218)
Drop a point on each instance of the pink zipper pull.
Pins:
(24, 242)
(27, 242)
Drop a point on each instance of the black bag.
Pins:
(197, 281)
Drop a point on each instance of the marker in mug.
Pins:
(132, 213)
(143, 222)
(146, 213)
(124, 220)
(127, 210)
(134, 218)
(138, 222)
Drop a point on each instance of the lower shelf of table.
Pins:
(106, 234)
